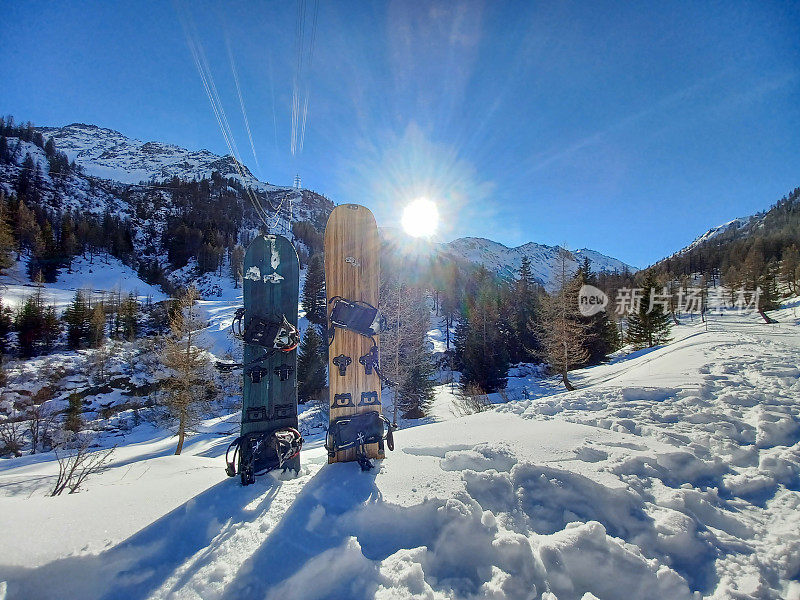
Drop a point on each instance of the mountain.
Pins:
(760, 250)
(112, 166)
(729, 227)
(506, 261)
(172, 214)
(108, 154)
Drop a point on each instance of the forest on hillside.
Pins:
(764, 252)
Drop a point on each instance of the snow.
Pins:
(544, 259)
(108, 154)
(718, 230)
(100, 274)
(61, 193)
(671, 473)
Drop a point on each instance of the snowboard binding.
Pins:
(365, 320)
(357, 431)
(270, 334)
(361, 317)
(259, 452)
(267, 333)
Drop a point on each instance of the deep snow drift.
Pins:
(670, 473)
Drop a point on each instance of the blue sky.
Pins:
(629, 128)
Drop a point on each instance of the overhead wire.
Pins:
(310, 61)
(272, 94)
(301, 89)
(241, 101)
(206, 76)
(210, 88)
(298, 74)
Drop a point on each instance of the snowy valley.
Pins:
(670, 473)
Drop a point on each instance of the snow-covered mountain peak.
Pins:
(506, 261)
(718, 230)
(109, 154)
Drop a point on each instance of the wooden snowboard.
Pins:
(271, 282)
(352, 271)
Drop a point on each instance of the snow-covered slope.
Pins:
(506, 261)
(108, 154)
(110, 163)
(718, 230)
(60, 193)
(104, 274)
(671, 473)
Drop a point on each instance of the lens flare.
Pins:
(420, 218)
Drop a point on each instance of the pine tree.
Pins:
(414, 395)
(311, 366)
(28, 176)
(26, 229)
(190, 384)
(314, 291)
(51, 328)
(68, 242)
(30, 326)
(562, 326)
(524, 343)
(128, 315)
(450, 297)
(74, 421)
(651, 324)
(405, 356)
(769, 296)
(237, 264)
(46, 257)
(7, 242)
(50, 148)
(602, 336)
(480, 342)
(5, 327)
(77, 316)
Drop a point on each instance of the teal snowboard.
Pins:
(269, 436)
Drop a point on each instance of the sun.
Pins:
(420, 218)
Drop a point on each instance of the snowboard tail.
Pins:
(357, 428)
(267, 324)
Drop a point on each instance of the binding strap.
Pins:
(356, 431)
(267, 333)
(268, 450)
(353, 315)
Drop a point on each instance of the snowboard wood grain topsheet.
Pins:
(352, 271)
(271, 281)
